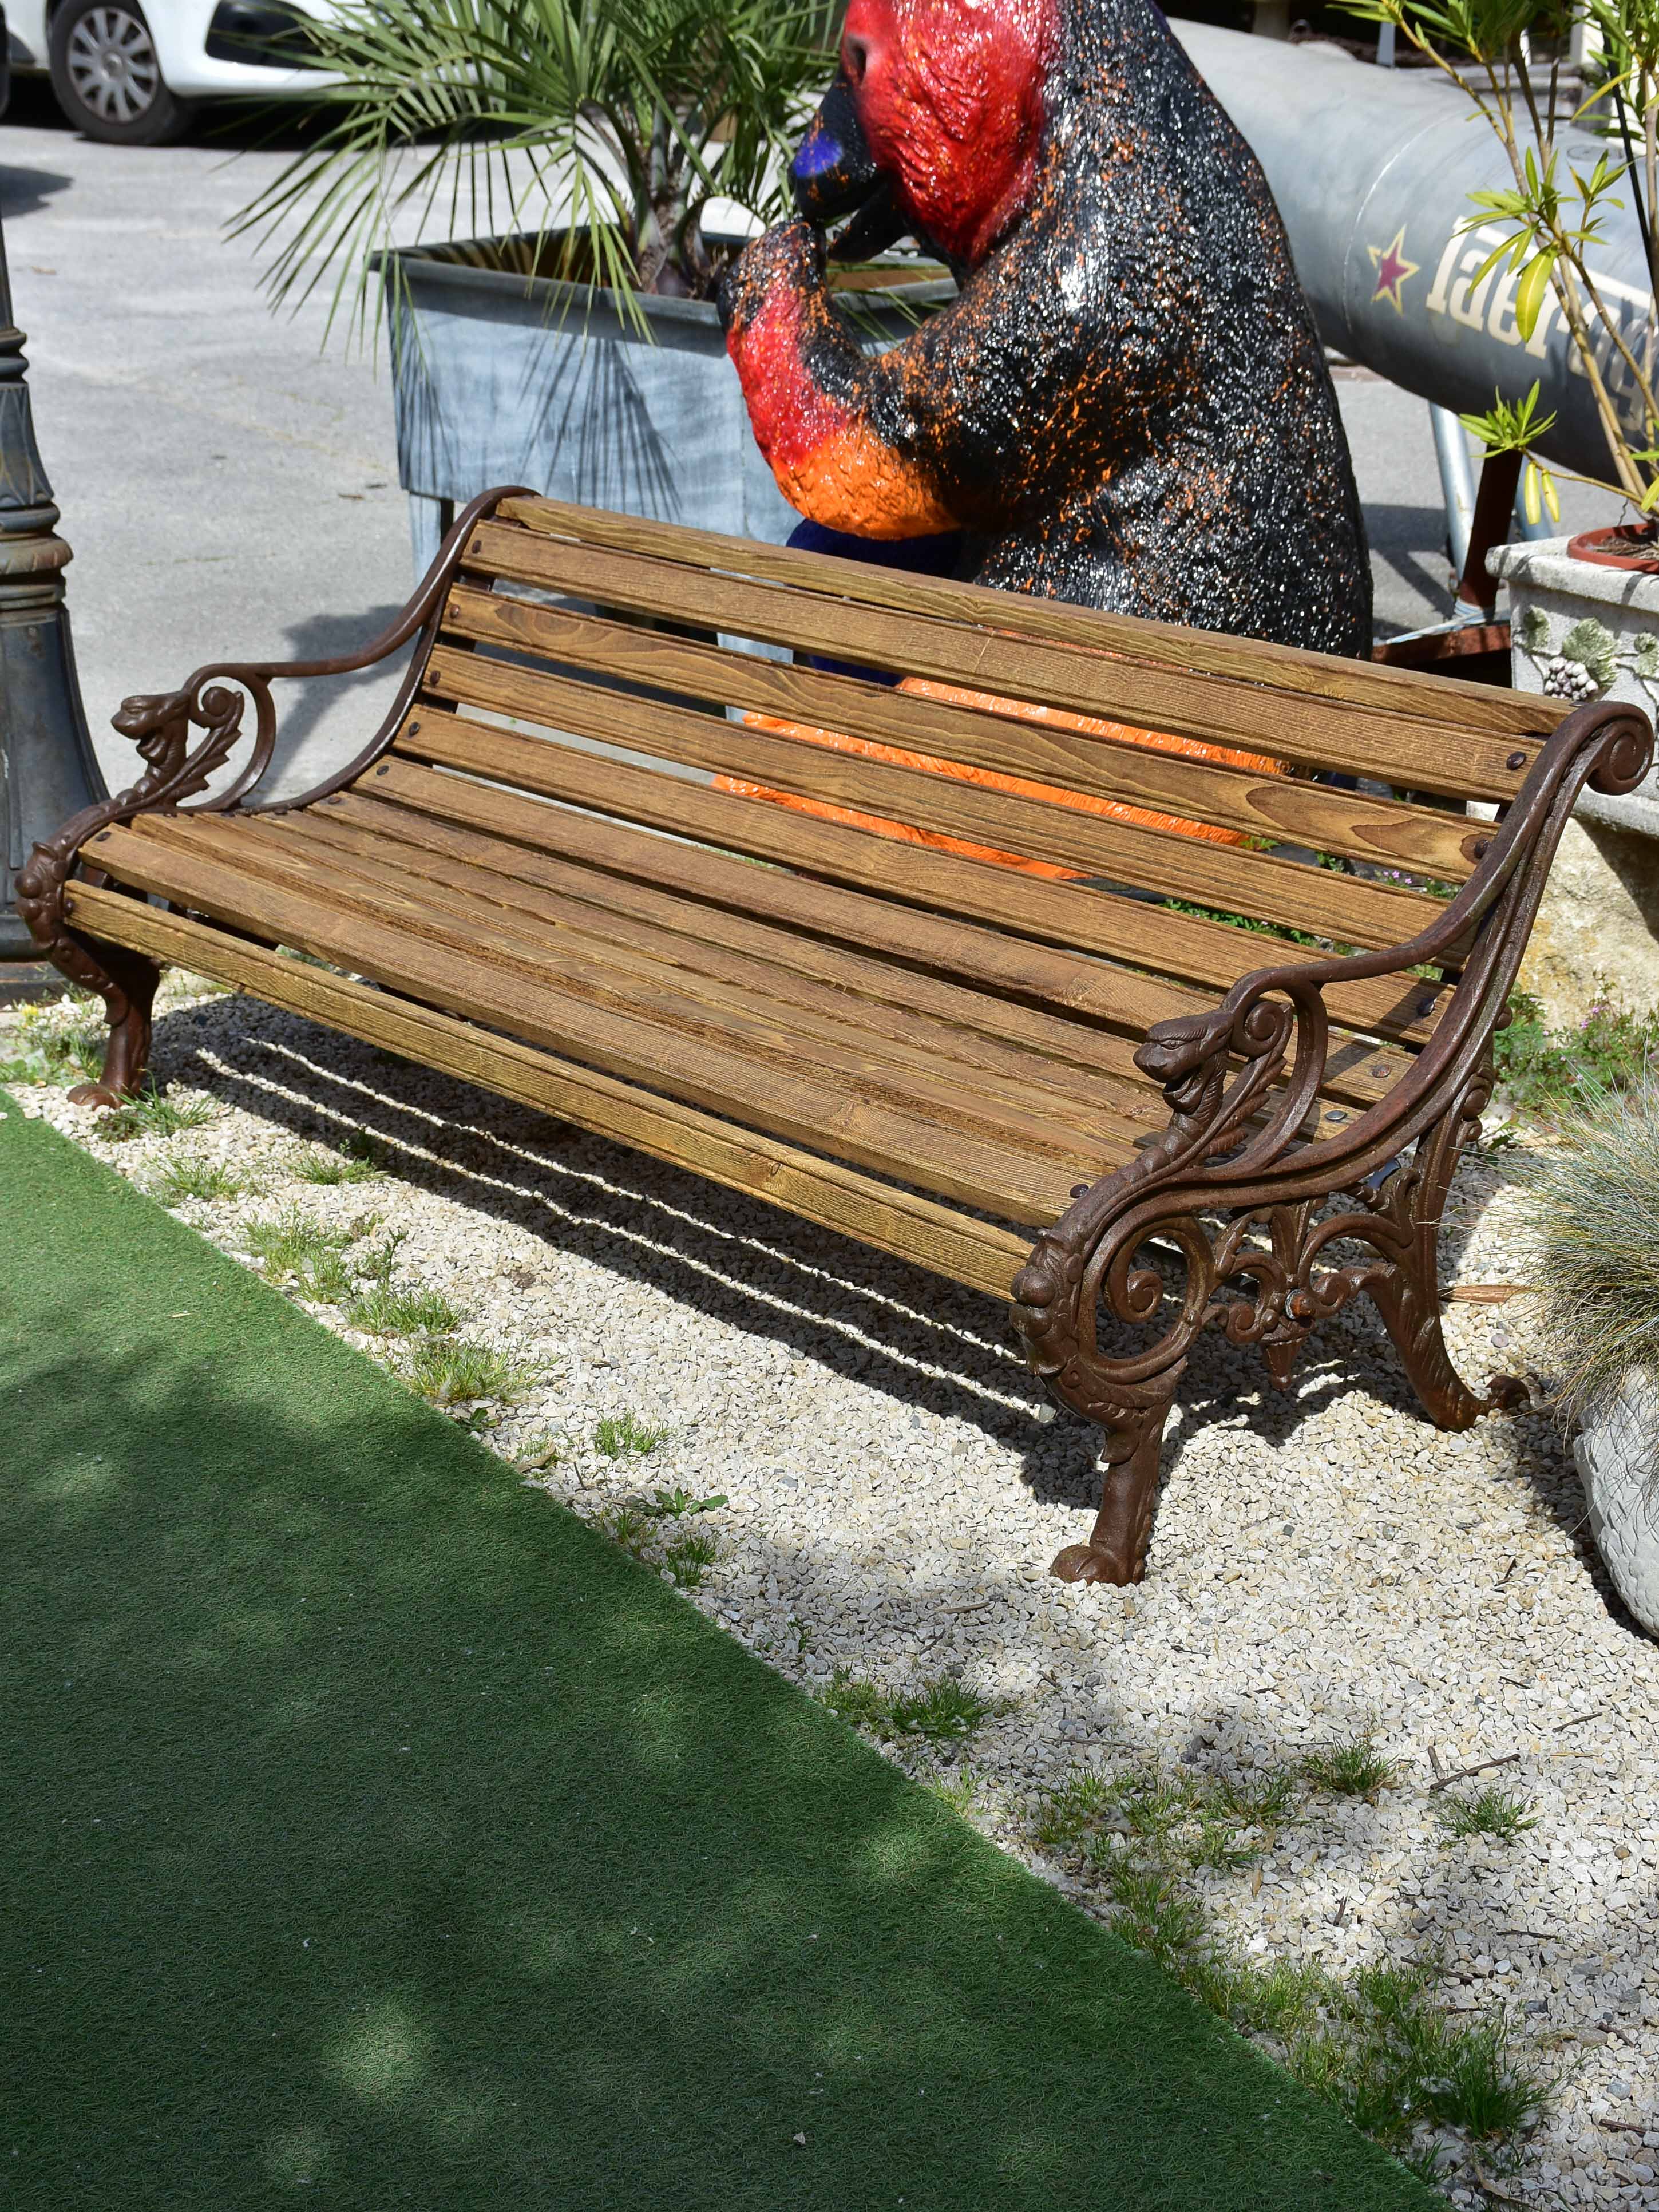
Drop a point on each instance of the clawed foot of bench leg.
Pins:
(126, 982)
(1116, 1549)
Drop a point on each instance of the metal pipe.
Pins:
(1372, 170)
(48, 770)
(1451, 451)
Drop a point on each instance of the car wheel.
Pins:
(106, 78)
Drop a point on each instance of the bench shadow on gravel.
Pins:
(927, 1343)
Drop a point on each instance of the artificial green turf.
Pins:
(374, 1835)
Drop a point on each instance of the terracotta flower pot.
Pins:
(1633, 545)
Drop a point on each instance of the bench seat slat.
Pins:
(1371, 686)
(1099, 1054)
(975, 1253)
(910, 1061)
(1398, 749)
(1253, 884)
(1021, 973)
(1385, 832)
(1196, 951)
(903, 1144)
(865, 994)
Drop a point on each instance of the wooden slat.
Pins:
(1385, 832)
(1404, 750)
(974, 1253)
(1235, 881)
(907, 1065)
(870, 1134)
(1095, 921)
(881, 1000)
(1369, 685)
(1094, 989)
(1098, 1055)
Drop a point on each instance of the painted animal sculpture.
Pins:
(1127, 404)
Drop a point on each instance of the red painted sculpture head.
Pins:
(931, 125)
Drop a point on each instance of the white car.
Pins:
(131, 74)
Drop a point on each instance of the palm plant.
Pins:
(603, 129)
(1507, 58)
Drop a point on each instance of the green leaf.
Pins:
(1532, 292)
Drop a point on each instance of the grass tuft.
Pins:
(936, 1712)
(961, 1791)
(1353, 1767)
(58, 1040)
(538, 1452)
(1383, 2047)
(1497, 1812)
(178, 1181)
(448, 1370)
(292, 1249)
(688, 1559)
(620, 1435)
(154, 1114)
(346, 1165)
(382, 1310)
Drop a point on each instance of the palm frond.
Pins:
(619, 123)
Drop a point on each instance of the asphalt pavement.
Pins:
(227, 476)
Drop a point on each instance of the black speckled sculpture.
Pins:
(1128, 404)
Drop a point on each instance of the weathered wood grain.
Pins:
(974, 1253)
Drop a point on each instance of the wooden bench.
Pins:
(1053, 1086)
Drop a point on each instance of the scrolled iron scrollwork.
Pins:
(1245, 1195)
(213, 702)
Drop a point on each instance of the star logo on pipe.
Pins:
(1391, 270)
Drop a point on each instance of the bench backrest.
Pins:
(565, 623)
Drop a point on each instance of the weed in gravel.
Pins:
(690, 1559)
(383, 1312)
(1383, 2047)
(179, 1180)
(318, 1165)
(308, 1254)
(1499, 1814)
(538, 1452)
(448, 1370)
(936, 1712)
(960, 1790)
(153, 1113)
(1350, 1767)
(620, 1434)
(1547, 1073)
(628, 1527)
(680, 1504)
(1207, 1820)
(60, 1041)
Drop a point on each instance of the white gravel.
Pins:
(896, 1486)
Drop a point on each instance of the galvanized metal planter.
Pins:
(501, 378)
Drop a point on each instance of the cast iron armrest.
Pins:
(160, 723)
(1241, 1208)
(1484, 931)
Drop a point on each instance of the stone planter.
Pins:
(1583, 630)
(1618, 1460)
(501, 378)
